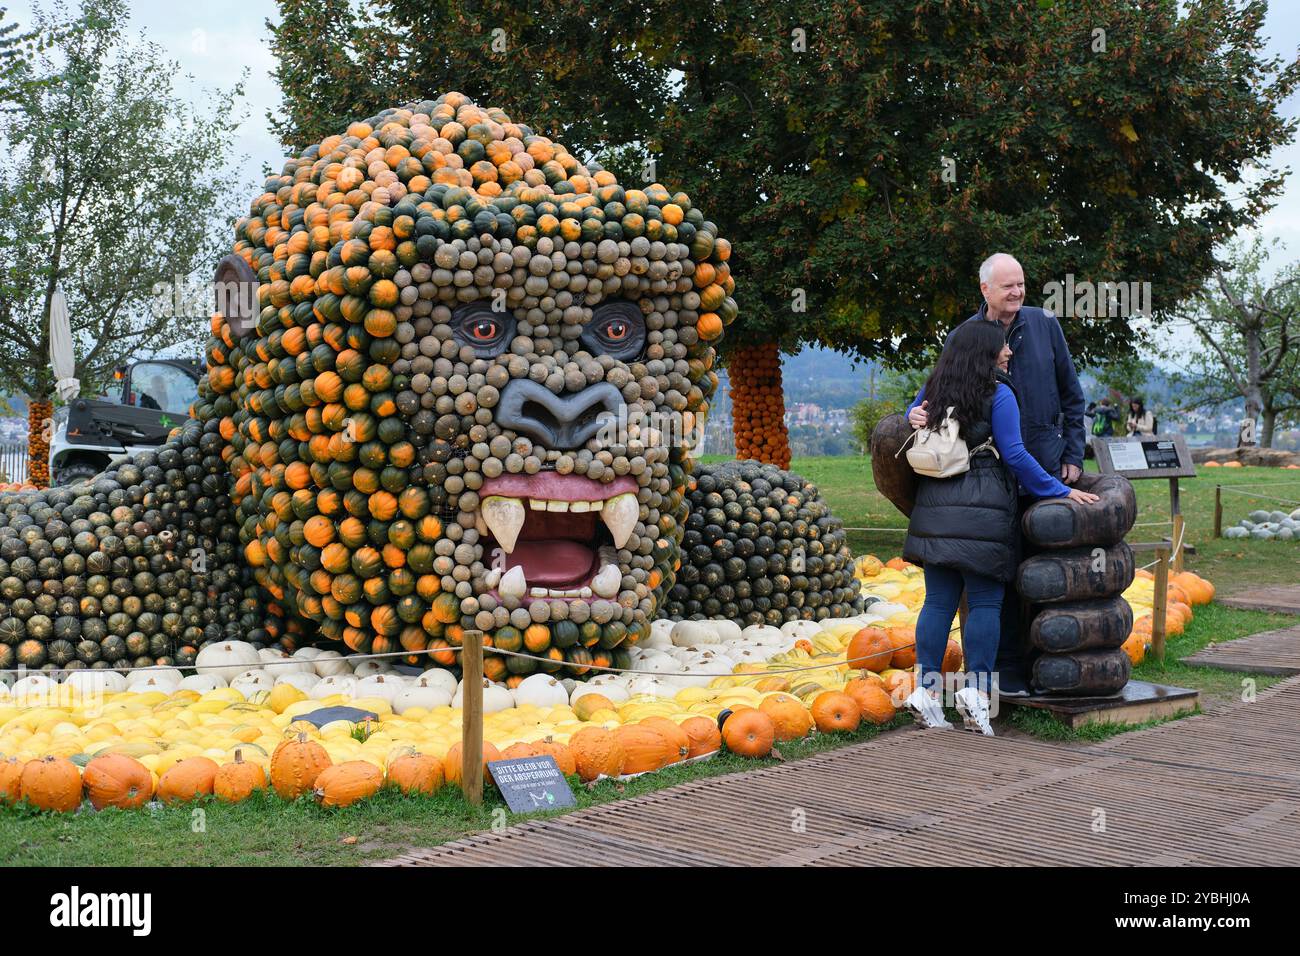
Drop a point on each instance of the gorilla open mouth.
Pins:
(556, 536)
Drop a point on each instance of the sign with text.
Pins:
(530, 784)
(1144, 456)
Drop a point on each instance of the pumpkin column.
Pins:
(758, 404)
(38, 445)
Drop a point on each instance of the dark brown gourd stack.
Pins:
(1079, 618)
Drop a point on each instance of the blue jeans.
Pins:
(943, 587)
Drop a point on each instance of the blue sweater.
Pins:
(1006, 437)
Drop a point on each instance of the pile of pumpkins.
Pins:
(236, 727)
(1186, 590)
(1267, 526)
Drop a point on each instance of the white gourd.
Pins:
(303, 681)
(333, 684)
(383, 686)
(495, 697)
(427, 695)
(202, 683)
(227, 658)
(540, 690)
(331, 664)
(693, 633)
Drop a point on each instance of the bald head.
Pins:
(1002, 283)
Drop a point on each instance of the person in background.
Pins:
(1104, 417)
(963, 530)
(1051, 404)
(1140, 421)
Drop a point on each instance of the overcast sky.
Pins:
(214, 41)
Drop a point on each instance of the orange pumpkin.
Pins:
(596, 752)
(644, 750)
(903, 637)
(563, 756)
(51, 783)
(453, 765)
(1135, 646)
(11, 775)
(872, 699)
(342, 785)
(296, 764)
(951, 658)
(871, 649)
(899, 685)
(236, 780)
(116, 780)
(835, 712)
(789, 716)
(704, 735)
(517, 750)
(187, 780)
(588, 704)
(749, 732)
(673, 733)
(415, 773)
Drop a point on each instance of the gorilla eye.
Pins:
(486, 332)
(616, 329)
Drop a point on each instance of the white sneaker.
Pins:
(974, 709)
(926, 710)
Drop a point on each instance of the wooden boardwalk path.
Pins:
(1281, 599)
(1270, 652)
(1221, 789)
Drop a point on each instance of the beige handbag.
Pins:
(941, 452)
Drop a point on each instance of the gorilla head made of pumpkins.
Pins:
(453, 383)
(469, 386)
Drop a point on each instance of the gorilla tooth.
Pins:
(504, 517)
(513, 583)
(607, 581)
(620, 515)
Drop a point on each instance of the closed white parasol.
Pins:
(61, 355)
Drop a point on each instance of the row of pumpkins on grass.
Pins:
(304, 762)
(231, 740)
(1185, 591)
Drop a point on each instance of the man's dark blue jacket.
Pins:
(1051, 399)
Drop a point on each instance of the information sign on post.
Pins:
(1150, 456)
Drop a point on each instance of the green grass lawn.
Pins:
(270, 832)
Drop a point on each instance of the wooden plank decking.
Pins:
(1220, 789)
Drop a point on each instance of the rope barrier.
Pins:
(1182, 533)
(495, 650)
(1249, 494)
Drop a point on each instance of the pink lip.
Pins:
(553, 486)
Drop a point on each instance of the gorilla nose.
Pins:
(556, 421)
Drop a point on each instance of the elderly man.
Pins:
(1051, 410)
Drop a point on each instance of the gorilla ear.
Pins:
(616, 329)
(235, 289)
(482, 328)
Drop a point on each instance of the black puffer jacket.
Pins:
(968, 522)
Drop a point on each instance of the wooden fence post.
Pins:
(1161, 603)
(471, 721)
(1218, 511)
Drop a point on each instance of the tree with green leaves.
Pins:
(1249, 328)
(863, 158)
(111, 188)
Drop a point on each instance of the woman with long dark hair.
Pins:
(963, 529)
(1140, 421)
